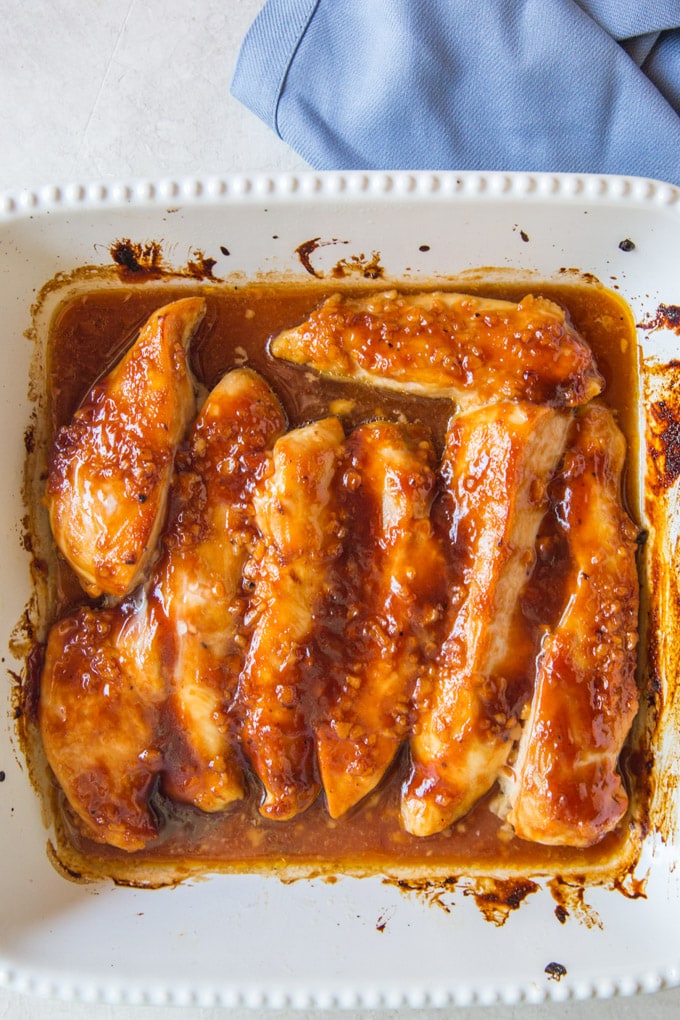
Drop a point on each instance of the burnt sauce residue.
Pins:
(305, 251)
(200, 266)
(664, 441)
(662, 399)
(661, 381)
(556, 971)
(359, 266)
(665, 317)
(87, 336)
(141, 261)
(138, 258)
(498, 898)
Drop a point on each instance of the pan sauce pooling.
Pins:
(323, 597)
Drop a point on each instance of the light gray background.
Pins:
(91, 89)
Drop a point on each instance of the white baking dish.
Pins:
(254, 940)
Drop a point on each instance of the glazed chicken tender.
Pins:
(390, 583)
(497, 465)
(199, 582)
(473, 350)
(101, 694)
(111, 466)
(297, 512)
(567, 788)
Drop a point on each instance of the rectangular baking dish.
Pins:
(254, 940)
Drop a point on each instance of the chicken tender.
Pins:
(111, 466)
(100, 698)
(391, 582)
(199, 581)
(497, 465)
(298, 515)
(567, 789)
(473, 350)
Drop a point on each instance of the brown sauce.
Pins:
(87, 336)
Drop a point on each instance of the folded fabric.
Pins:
(556, 85)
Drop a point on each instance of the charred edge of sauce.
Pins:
(142, 261)
(664, 441)
(201, 267)
(654, 689)
(29, 686)
(169, 883)
(663, 693)
(19, 709)
(26, 535)
(569, 897)
(23, 636)
(137, 259)
(497, 898)
(71, 874)
(305, 251)
(370, 268)
(631, 887)
(663, 461)
(29, 439)
(587, 278)
(638, 763)
(429, 891)
(665, 317)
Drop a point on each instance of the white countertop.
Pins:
(92, 90)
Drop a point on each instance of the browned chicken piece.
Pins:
(392, 582)
(99, 708)
(297, 512)
(473, 350)
(567, 790)
(200, 583)
(111, 466)
(497, 465)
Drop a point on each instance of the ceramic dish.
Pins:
(253, 940)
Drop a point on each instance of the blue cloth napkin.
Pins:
(556, 85)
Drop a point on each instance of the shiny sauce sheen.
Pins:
(90, 332)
